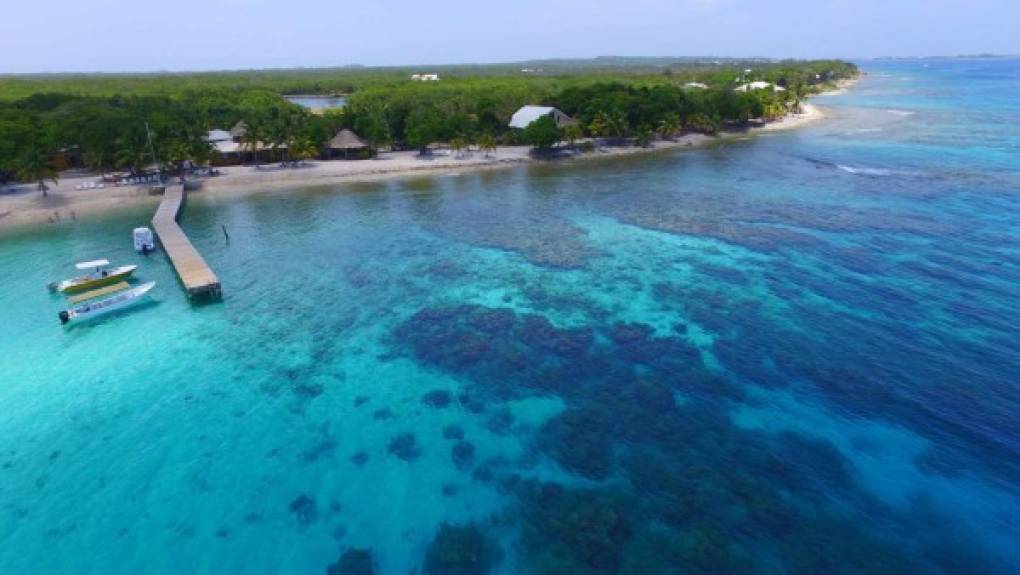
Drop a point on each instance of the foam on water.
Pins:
(865, 171)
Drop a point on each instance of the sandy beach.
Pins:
(23, 205)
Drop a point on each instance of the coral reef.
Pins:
(353, 562)
(405, 446)
(460, 550)
(303, 507)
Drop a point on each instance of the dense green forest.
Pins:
(119, 122)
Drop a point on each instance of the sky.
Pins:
(133, 35)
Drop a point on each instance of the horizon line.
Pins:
(357, 66)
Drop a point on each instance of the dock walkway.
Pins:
(196, 276)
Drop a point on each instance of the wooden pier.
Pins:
(196, 276)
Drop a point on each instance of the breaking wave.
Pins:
(865, 171)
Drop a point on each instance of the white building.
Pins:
(759, 86)
(425, 77)
(696, 85)
(223, 141)
(526, 115)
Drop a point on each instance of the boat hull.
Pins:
(86, 283)
(105, 306)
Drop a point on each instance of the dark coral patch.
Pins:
(581, 441)
(500, 421)
(453, 432)
(437, 398)
(323, 448)
(575, 530)
(405, 446)
(308, 390)
(462, 454)
(353, 562)
(303, 507)
(460, 550)
(471, 402)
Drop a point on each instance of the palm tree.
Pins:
(301, 149)
(457, 145)
(487, 144)
(35, 166)
(204, 153)
(251, 140)
(94, 160)
(131, 151)
(605, 125)
(178, 152)
(643, 138)
(669, 126)
(572, 132)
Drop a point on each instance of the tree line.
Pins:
(46, 132)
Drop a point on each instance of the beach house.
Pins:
(759, 86)
(527, 114)
(223, 142)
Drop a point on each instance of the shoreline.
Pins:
(24, 207)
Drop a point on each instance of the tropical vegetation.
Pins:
(131, 122)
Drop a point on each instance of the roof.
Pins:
(346, 140)
(698, 85)
(247, 146)
(227, 146)
(526, 115)
(759, 86)
(92, 264)
(218, 135)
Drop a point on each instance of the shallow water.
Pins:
(795, 353)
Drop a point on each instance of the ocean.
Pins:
(792, 353)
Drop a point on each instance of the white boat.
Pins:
(100, 307)
(144, 241)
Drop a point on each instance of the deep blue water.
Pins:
(795, 353)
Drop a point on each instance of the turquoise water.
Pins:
(796, 353)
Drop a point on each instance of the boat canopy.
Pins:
(92, 264)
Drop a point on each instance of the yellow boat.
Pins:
(100, 275)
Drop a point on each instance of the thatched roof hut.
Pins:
(347, 140)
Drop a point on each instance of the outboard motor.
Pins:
(52, 286)
(64, 317)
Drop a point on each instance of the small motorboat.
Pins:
(102, 306)
(100, 275)
(144, 242)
